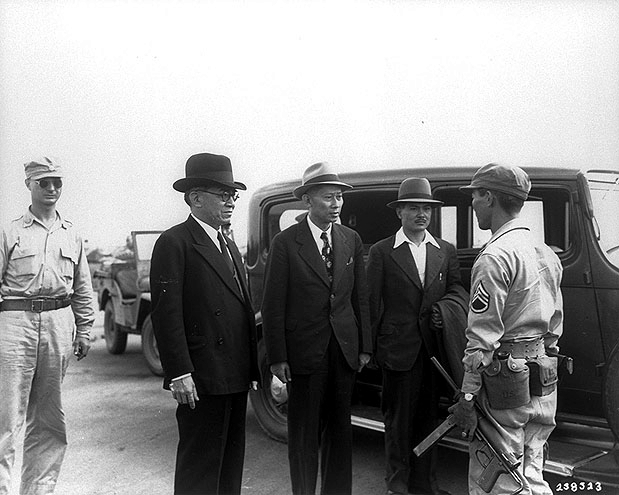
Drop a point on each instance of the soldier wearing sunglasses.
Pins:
(46, 312)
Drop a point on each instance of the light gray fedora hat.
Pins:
(318, 174)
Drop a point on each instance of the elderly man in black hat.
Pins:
(205, 329)
(408, 273)
(316, 331)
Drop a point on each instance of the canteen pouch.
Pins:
(506, 382)
(543, 375)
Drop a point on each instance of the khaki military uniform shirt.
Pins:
(39, 263)
(515, 297)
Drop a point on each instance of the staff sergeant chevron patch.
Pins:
(481, 299)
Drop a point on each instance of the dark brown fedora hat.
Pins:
(415, 190)
(204, 169)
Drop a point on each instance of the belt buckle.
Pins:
(36, 305)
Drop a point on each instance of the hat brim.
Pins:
(518, 195)
(301, 190)
(186, 183)
(45, 175)
(468, 188)
(434, 202)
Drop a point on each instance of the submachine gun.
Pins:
(493, 455)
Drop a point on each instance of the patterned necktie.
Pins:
(224, 252)
(327, 255)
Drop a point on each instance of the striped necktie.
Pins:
(327, 255)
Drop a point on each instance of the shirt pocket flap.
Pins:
(23, 252)
(69, 252)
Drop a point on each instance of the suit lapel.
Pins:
(341, 252)
(434, 261)
(404, 259)
(206, 248)
(240, 269)
(308, 251)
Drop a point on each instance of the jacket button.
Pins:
(218, 312)
(332, 296)
(220, 340)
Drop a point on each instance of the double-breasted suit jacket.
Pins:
(400, 306)
(203, 319)
(301, 309)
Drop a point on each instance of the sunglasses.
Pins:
(45, 183)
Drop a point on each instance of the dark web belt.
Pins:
(34, 305)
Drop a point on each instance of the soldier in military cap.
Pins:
(514, 323)
(46, 312)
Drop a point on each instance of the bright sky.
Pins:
(123, 92)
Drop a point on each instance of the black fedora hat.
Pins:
(415, 190)
(204, 169)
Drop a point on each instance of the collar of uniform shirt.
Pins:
(29, 218)
(317, 232)
(210, 231)
(515, 223)
(400, 238)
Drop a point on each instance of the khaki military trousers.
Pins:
(526, 430)
(34, 353)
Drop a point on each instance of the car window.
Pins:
(365, 210)
(547, 215)
(532, 215)
(604, 187)
(279, 216)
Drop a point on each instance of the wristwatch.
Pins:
(469, 397)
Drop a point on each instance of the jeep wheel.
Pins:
(611, 393)
(149, 348)
(270, 402)
(115, 338)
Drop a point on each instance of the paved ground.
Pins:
(122, 436)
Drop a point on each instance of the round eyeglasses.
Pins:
(224, 195)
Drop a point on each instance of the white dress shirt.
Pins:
(210, 231)
(418, 252)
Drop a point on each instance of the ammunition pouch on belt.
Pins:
(543, 375)
(506, 382)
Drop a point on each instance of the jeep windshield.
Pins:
(604, 187)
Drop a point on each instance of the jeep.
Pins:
(123, 292)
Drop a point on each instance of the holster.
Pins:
(565, 365)
(544, 377)
(506, 381)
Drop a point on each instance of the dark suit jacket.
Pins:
(400, 308)
(203, 322)
(301, 309)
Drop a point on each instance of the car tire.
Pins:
(270, 411)
(611, 392)
(149, 348)
(115, 338)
